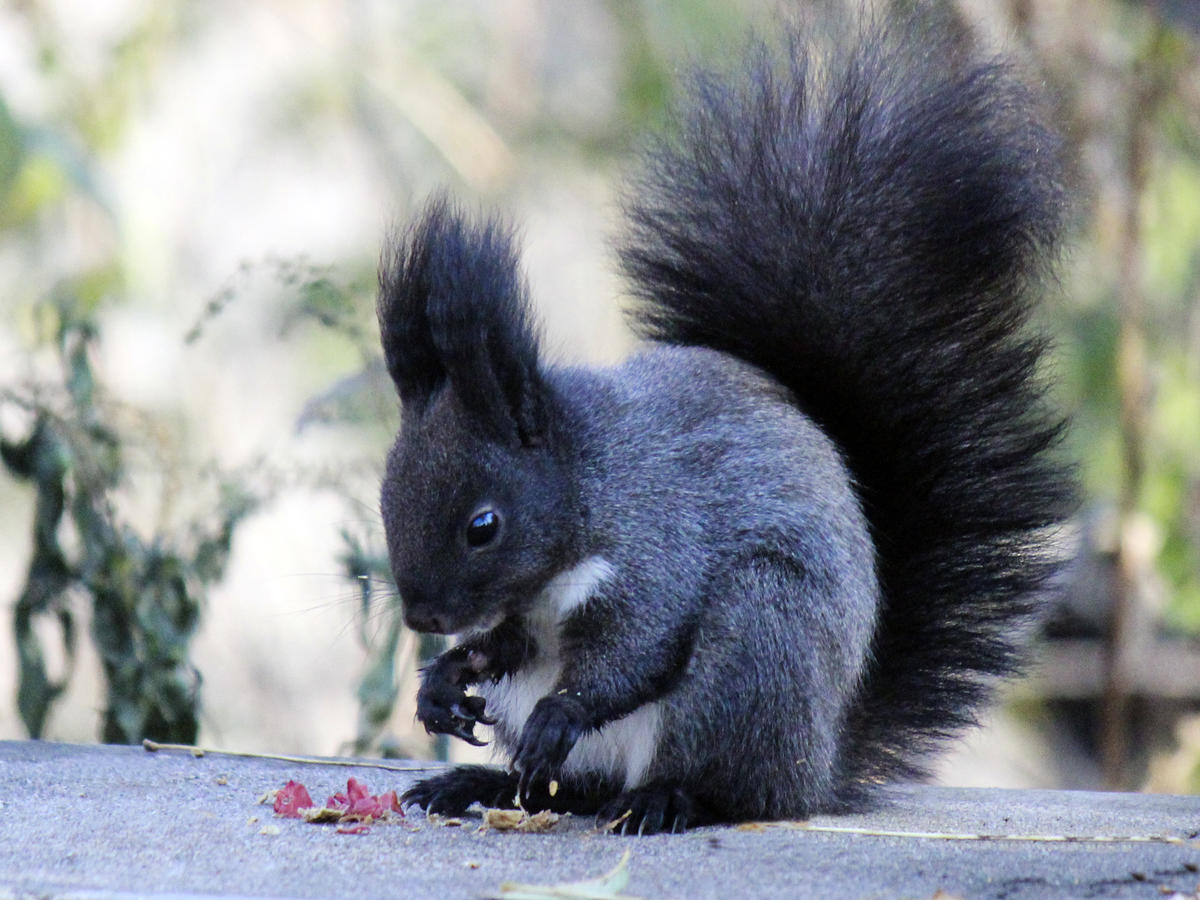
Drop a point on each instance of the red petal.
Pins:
(338, 801)
(356, 790)
(365, 806)
(292, 798)
(389, 801)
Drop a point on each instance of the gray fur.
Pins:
(680, 444)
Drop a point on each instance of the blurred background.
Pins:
(193, 415)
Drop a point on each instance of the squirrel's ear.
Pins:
(453, 306)
(404, 286)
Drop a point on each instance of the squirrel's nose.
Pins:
(424, 620)
(422, 612)
(428, 606)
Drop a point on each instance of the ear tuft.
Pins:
(453, 307)
(404, 276)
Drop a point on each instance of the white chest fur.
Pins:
(621, 750)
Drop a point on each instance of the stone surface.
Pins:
(83, 821)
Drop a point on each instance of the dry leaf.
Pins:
(519, 820)
(606, 887)
(321, 814)
(502, 819)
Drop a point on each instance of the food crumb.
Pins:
(269, 829)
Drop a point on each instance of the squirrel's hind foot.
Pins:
(662, 806)
(451, 793)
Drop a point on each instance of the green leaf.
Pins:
(12, 149)
(37, 184)
(35, 691)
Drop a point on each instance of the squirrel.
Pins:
(785, 550)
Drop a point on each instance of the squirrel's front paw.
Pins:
(445, 707)
(550, 732)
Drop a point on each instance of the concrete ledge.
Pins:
(82, 821)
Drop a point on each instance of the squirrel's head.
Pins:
(477, 502)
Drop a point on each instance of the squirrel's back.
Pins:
(871, 228)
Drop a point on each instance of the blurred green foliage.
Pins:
(1140, 198)
(145, 594)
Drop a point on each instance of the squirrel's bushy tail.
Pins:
(871, 228)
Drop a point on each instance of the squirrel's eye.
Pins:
(483, 528)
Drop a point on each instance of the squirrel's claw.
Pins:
(456, 724)
(444, 707)
(472, 707)
(651, 809)
(465, 730)
(550, 732)
(528, 779)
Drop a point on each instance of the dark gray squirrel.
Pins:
(779, 555)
